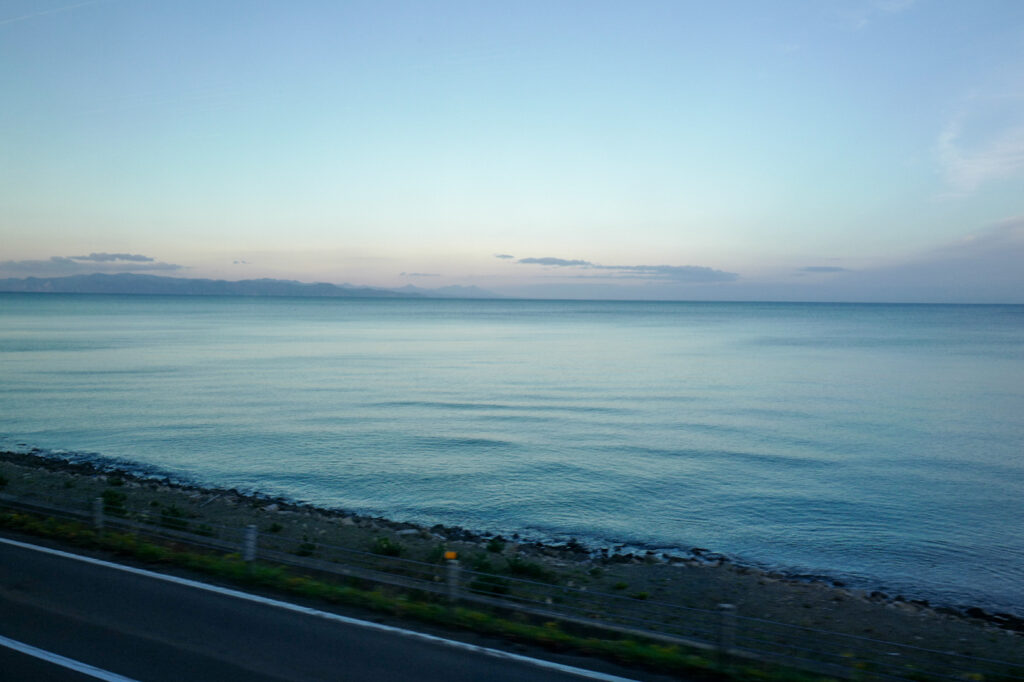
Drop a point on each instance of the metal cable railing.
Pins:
(746, 637)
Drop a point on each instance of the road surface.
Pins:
(130, 623)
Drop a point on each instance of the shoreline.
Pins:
(700, 578)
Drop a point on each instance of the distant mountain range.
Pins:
(127, 283)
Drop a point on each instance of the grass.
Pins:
(418, 606)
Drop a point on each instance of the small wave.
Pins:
(725, 456)
(467, 443)
(105, 463)
(531, 408)
(444, 405)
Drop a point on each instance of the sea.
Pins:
(878, 445)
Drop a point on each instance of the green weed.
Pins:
(385, 546)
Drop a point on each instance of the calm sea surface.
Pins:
(879, 444)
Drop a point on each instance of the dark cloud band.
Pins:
(112, 257)
(80, 265)
(675, 273)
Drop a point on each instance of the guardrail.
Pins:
(724, 632)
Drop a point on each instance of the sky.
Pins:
(849, 150)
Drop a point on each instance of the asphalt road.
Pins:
(149, 629)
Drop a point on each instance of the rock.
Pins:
(1008, 621)
(575, 546)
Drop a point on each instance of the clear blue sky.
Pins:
(828, 149)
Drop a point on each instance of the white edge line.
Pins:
(63, 661)
(455, 644)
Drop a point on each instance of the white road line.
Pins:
(494, 653)
(63, 661)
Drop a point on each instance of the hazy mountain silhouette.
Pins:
(127, 283)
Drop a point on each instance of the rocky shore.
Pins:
(697, 579)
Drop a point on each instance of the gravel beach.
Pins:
(699, 579)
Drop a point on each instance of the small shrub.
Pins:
(496, 545)
(530, 570)
(639, 595)
(275, 527)
(436, 554)
(113, 502)
(619, 586)
(206, 530)
(115, 481)
(174, 518)
(3, 481)
(305, 548)
(385, 546)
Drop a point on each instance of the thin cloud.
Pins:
(823, 268)
(55, 10)
(674, 273)
(420, 274)
(983, 142)
(503, 256)
(57, 266)
(108, 257)
(559, 262)
(967, 166)
(858, 15)
(1003, 238)
(893, 6)
(984, 267)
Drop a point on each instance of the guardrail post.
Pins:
(97, 513)
(249, 545)
(454, 579)
(726, 632)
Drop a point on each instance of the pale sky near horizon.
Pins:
(818, 150)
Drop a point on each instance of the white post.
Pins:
(726, 632)
(454, 579)
(249, 546)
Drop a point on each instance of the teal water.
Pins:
(878, 444)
